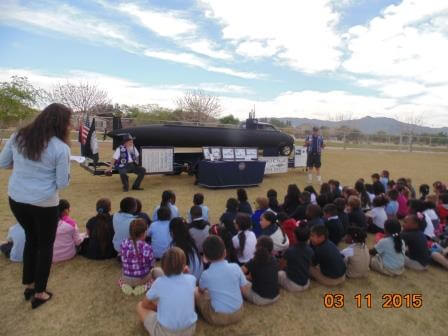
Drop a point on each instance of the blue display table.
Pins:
(225, 174)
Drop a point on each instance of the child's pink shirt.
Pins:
(69, 220)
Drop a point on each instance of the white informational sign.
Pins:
(228, 154)
(240, 154)
(251, 154)
(300, 156)
(206, 152)
(275, 164)
(216, 153)
(158, 159)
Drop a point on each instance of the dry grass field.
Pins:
(87, 300)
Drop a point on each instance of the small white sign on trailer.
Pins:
(300, 157)
(275, 164)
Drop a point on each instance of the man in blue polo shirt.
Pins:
(314, 144)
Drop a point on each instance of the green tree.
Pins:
(278, 123)
(18, 97)
(229, 120)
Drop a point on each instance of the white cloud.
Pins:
(302, 33)
(255, 49)
(166, 24)
(206, 47)
(69, 21)
(190, 59)
(407, 41)
(394, 88)
(173, 25)
(311, 104)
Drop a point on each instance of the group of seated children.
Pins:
(250, 253)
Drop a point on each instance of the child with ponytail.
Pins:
(244, 242)
(269, 227)
(100, 232)
(262, 271)
(137, 260)
(388, 255)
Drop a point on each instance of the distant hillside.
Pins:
(367, 125)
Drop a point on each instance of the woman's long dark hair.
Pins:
(361, 189)
(54, 120)
(263, 250)
(103, 228)
(244, 223)
(393, 227)
(167, 196)
(182, 238)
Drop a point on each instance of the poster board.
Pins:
(251, 154)
(207, 153)
(240, 154)
(275, 164)
(216, 153)
(228, 154)
(158, 160)
(300, 157)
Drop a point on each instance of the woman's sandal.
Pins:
(126, 289)
(36, 302)
(139, 290)
(28, 293)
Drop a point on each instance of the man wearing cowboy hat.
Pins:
(125, 160)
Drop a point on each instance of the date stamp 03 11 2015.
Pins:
(391, 300)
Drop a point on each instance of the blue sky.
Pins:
(291, 58)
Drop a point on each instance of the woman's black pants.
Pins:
(40, 224)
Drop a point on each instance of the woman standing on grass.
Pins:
(39, 156)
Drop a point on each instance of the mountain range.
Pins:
(368, 125)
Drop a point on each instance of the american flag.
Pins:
(84, 131)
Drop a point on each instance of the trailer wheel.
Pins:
(285, 150)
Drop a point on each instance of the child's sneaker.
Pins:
(126, 289)
(139, 290)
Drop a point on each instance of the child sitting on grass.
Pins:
(333, 224)
(122, 220)
(218, 297)
(262, 271)
(15, 243)
(273, 201)
(417, 254)
(388, 254)
(168, 308)
(269, 227)
(392, 205)
(356, 256)
(183, 240)
(243, 204)
(100, 231)
(137, 260)
(377, 216)
(296, 262)
(356, 216)
(328, 263)
(198, 200)
(244, 242)
(199, 228)
(159, 231)
(168, 200)
(67, 236)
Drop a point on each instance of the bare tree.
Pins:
(196, 105)
(80, 97)
(345, 120)
(411, 123)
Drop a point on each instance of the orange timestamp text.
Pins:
(391, 300)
